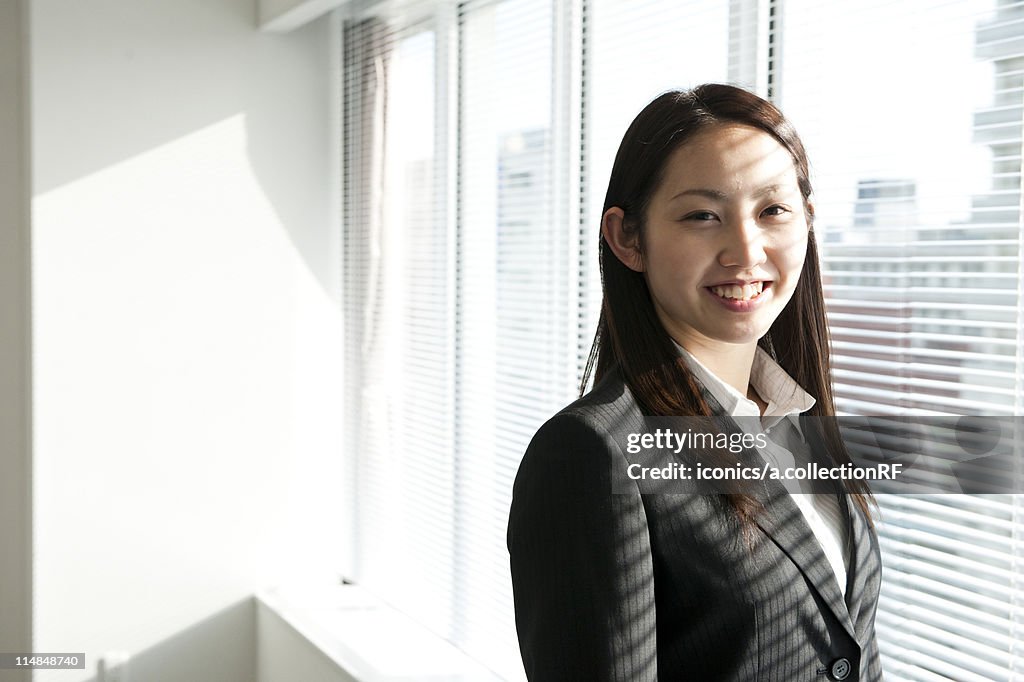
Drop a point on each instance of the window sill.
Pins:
(367, 640)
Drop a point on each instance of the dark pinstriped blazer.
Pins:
(639, 586)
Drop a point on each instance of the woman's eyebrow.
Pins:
(722, 196)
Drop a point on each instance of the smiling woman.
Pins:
(712, 307)
(726, 232)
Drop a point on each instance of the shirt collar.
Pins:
(784, 395)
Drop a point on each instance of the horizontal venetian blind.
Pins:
(515, 332)
(479, 138)
(916, 147)
(634, 51)
(399, 302)
(917, 194)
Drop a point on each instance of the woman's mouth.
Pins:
(738, 292)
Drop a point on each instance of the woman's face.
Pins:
(725, 238)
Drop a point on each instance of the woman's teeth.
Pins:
(740, 293)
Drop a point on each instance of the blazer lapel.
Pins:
(865, 574)
(784, 523)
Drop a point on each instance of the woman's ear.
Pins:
(623, 245)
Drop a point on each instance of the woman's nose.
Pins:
(742, 245)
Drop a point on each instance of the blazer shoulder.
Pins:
(608, 409)
(578, 456)
(585, 436)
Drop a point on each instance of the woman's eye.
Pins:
(700, 216)
(774, 211)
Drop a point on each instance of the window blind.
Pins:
(918, 198)
(478, 141)
(461, 337)
(398, 318)
(515, 331)
(915, 147)
(634, 51)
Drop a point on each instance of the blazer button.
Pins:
(840, 669)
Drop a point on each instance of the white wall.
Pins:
(15, 344)
(187, 329)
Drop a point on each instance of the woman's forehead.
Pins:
(730, 158)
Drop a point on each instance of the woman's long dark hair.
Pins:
(631, 338)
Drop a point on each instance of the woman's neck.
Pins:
(729, 362)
